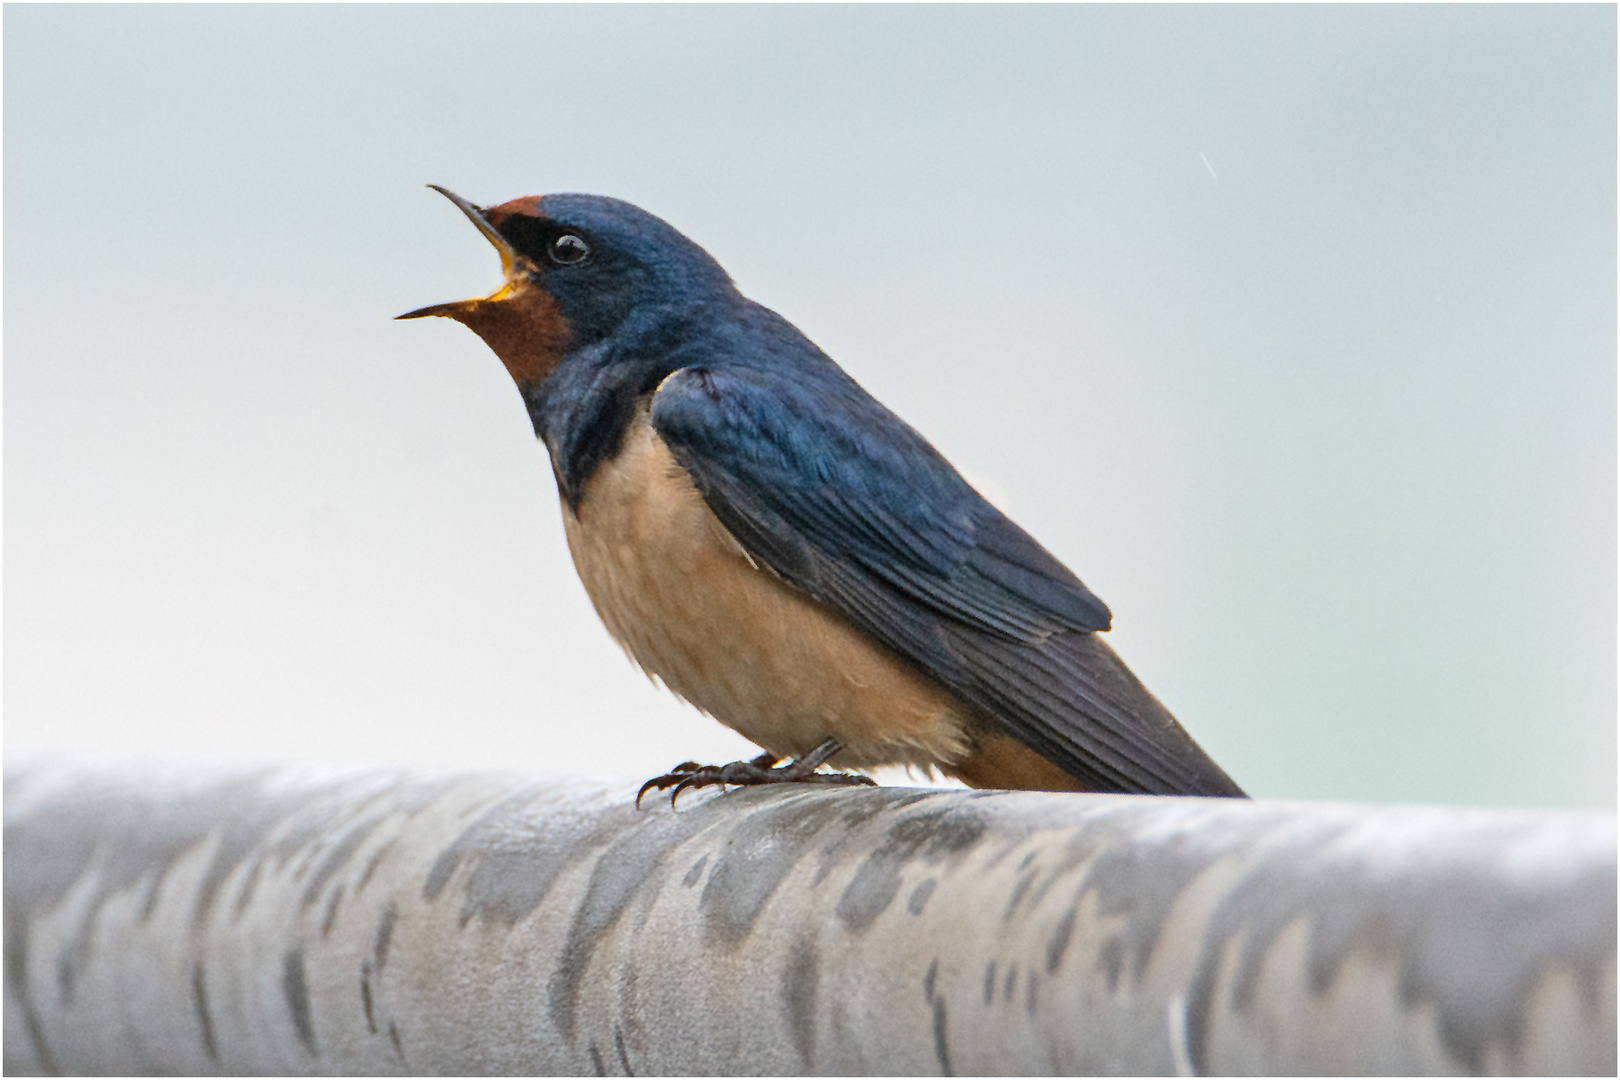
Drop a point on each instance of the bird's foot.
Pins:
(689, 774)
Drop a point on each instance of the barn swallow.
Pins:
(783, 552)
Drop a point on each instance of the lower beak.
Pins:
(449, 311)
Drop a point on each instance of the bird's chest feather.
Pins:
(689, 606)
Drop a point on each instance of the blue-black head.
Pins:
(577, 267)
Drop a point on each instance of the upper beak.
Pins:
(509, 260)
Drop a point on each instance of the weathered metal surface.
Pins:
(303, 921)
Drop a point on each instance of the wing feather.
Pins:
(846, 502)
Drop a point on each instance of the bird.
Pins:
(783, 552)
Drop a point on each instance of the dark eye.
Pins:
(568, 249)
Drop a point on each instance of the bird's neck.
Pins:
(582, 408)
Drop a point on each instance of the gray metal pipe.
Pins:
(360, 921)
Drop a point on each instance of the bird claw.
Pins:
(689, 774)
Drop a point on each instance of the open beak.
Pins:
(510, 267)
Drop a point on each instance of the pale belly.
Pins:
(684, 600)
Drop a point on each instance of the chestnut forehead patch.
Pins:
(528, 206)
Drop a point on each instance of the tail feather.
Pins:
(1074, 702)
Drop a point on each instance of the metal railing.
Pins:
(360, 921)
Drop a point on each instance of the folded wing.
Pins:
(841, 498)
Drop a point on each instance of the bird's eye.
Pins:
(568, 249)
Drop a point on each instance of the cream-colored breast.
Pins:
(688, 605)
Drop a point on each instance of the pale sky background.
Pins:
(1292, 330)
